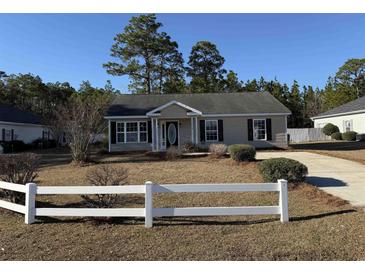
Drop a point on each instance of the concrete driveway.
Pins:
(339, 177)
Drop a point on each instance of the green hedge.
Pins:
(329, 129)
(349, 136)
(283, 168)
(242, 152)
(14, 146)
(336, 136)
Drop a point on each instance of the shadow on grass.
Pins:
(321, 215)
(176, 221)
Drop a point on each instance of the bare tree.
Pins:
(81, 120)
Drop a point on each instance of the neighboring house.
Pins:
(16, 124)
(156, 122)
(348, 117)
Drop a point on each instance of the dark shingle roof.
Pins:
(207, 103)
(15, 115)
(356, 105)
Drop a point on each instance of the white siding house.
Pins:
(16, 124)
(348, 117)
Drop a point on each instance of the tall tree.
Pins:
(145, 55)
(205, 68)
(232, 83)
(295, 104)
(252, 86)
(351, 77)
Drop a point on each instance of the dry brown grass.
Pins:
(321, 227)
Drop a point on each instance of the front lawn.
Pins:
(321, 227)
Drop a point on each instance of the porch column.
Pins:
(157, 136)
(153, 133)
(194, 130)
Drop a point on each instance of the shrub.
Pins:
(241, 153)
(172, 153)
(44, 143)
(329, 129)
(349, 136)
(283, 168)
(18, 169)
(190, 147)
(105, 176)
(14, 146)
(336, 136)
(218, 150)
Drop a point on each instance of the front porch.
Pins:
(168, 132)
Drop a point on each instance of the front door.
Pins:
(172, 134)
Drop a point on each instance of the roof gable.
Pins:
(173, 102)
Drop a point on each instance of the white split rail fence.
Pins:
(148, 212)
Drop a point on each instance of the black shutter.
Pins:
(220, 130)
(12, 134)
(250, 129)
(3, 134)
(149, 129)
(202, 130)
(113, 132)
(268, 129)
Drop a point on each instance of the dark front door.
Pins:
(172, 134)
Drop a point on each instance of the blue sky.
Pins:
(73, 47)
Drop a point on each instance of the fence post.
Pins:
(283, 201)
(149, 204)
(30, 194)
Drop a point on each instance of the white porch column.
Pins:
(157, 136)
(153, 134)
(192, 130)
(196, 130)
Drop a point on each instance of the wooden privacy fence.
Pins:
(299, 135)
(148, 212)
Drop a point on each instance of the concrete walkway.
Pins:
(339, 177)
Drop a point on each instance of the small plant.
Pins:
(218, 150)
(283, 168)
(172, 153)
(336, 136)
(242, 153)
(349, 136)
(18, 169)
(189, 147)
(329, 129)
(105, 176)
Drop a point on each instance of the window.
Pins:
(211, 130)
(142, 132)
(131, 132)
(120, 132)
(259, 129)
(347, 126)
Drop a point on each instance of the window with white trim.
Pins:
(259, 129)
(131, 132)
(211, 130)
(347, 126)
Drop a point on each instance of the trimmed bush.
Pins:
(329, 129)
(336, 136)
(218, 150)
(14, 146)
(44, 143)
(242, 153)
(283, 168)
(349, 136)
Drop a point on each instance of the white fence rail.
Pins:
(148, 212)
(299, 135)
